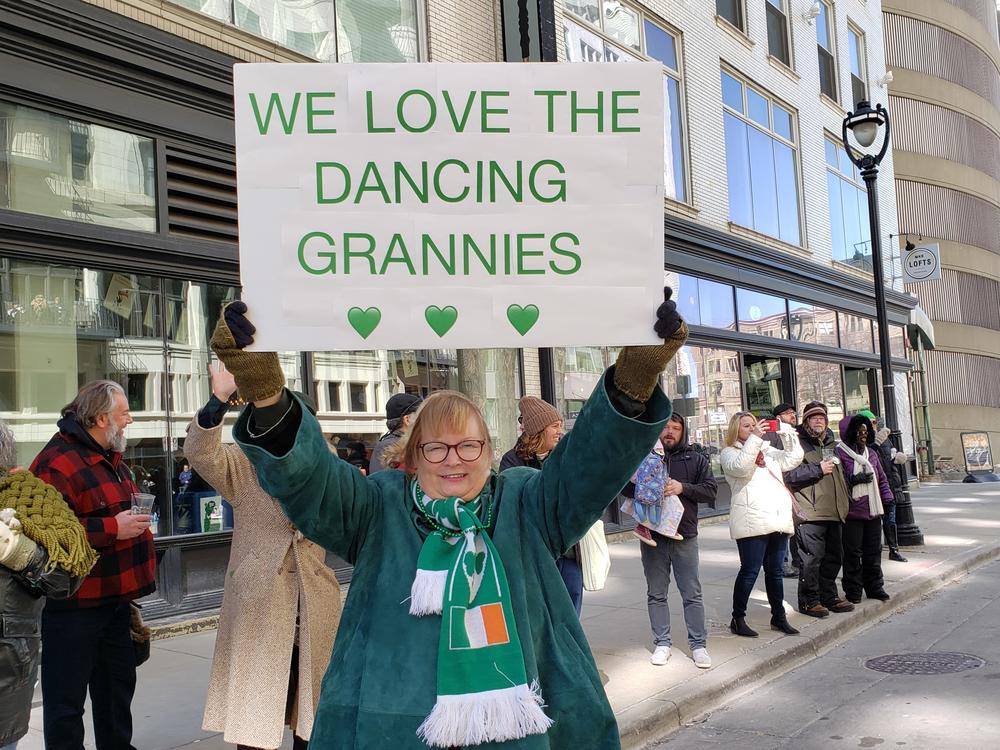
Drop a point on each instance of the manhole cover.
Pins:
(942, 662)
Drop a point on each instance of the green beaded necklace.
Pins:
(485, 494)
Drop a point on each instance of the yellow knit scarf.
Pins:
(47, 520)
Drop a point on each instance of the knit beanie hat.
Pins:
(812, 409)
(536, 415)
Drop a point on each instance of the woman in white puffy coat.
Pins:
(760, 514)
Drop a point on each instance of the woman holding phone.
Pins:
(760, 515)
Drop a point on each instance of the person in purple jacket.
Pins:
(869, 489)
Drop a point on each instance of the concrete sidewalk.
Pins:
(961, 525)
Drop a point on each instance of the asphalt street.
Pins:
(838, 702)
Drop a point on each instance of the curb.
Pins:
(655, 717)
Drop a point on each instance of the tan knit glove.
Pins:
(16, 550)
(258, 374)
(638, 368)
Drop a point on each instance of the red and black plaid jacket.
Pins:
(98, 486)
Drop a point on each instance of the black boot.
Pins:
(781, 623)
(739, 627)
(893, 542)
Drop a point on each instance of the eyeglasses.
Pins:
(467, 450)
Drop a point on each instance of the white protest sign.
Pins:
(447, 205)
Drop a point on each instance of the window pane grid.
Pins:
(761, 161)
(655, 43)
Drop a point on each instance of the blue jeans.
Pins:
(756, 551)
(572, 575)
(657, 562)
(11, 746)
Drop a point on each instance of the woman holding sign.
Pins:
(457, 630)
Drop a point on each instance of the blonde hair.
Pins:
(441, 411)
(733, 432)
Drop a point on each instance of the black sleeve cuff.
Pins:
(212, 413)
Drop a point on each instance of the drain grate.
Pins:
(941, 662)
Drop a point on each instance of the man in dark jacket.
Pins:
(26, 578)
(692, 481)
(823, 498)
(399, 410)
(86, 638)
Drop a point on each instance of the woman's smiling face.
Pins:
(454, 476)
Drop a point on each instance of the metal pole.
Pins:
(925, 406)
(908, 534)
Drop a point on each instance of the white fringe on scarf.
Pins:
(490, 716)
(427, 592)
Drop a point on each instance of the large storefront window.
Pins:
(67, 169)
(704, 385)
(820, 381)
(62, 326)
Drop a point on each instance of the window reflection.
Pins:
(760, 162)
(848, 204)
(67, 169)
(820, 381)
(761, 314)
(377, 31)
(704, 384)
(715, 303)
(855, 333)
(812, 324)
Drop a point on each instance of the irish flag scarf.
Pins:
(482, 689)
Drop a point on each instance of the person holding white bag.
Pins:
(690, 479)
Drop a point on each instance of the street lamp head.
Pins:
(866, 122)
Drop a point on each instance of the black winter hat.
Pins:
(782, 408)
(400, 405)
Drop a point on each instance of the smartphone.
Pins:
(772, 425)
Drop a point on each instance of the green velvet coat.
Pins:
(380, 684)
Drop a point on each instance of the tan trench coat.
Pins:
(273, 573)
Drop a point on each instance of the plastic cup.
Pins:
(142, 503)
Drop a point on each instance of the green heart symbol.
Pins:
(522, 318)
(364, 321)
(474, 563)
(441, 319)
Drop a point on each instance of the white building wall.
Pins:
(708, 42)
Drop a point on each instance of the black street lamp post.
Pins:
(865, 124)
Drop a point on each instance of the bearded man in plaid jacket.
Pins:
(86, 640)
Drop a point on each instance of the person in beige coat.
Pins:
(281, 605)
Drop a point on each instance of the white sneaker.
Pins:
(701, 658)
(661, 655)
